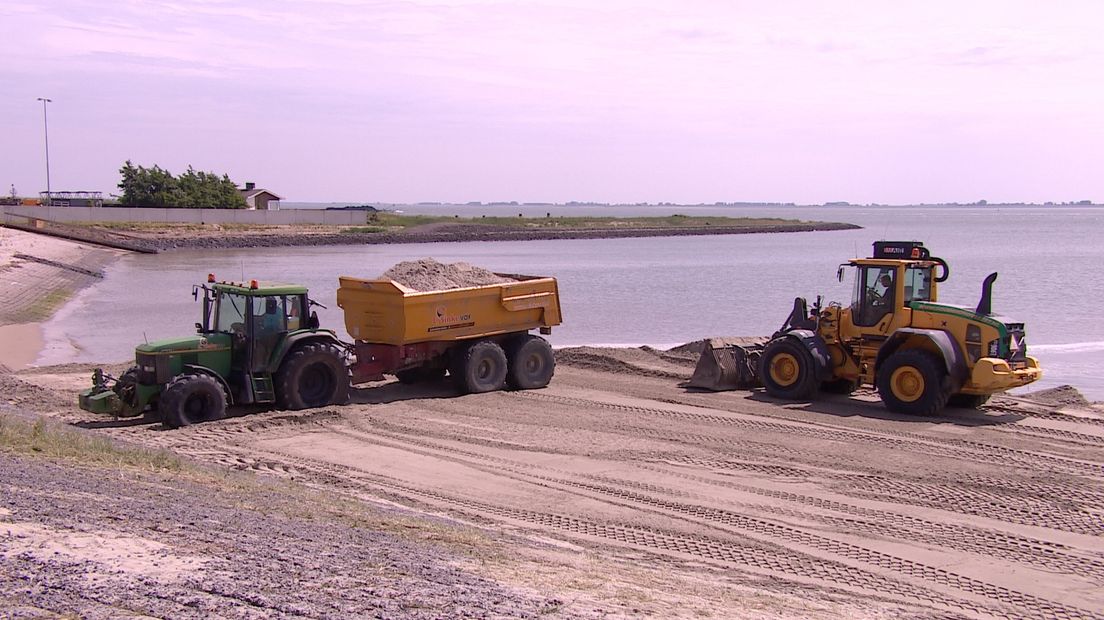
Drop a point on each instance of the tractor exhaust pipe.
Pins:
(985, 306)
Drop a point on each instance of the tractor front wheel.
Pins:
(314, 375)
(126, 388)
(192, 398)
(786, 370)
(913, 382)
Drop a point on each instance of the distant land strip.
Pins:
(159, 238)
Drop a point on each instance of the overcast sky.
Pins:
(558, 100)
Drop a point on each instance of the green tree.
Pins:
(157, 187)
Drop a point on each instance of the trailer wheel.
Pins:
(914, 382)
(531, 362)
(786, 369)
(968, 401)
(192, 398)
(481, 367)
(313, 375)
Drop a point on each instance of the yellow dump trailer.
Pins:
(479, 335)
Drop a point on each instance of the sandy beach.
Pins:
(39, 273)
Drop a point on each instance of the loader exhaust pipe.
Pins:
(985, 306)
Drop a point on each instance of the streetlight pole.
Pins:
(46, 134)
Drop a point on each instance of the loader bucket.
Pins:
(726, 366)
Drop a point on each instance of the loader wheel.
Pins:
(914, 382)
(786, 369)
(190, 399)
(314, 375)
(968, 401)
(532, 363)
(481, 367)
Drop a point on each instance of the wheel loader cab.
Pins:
(882, 293)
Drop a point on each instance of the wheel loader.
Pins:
(920, 355)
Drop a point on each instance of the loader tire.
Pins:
(531, 363)
(313, 375)
(192, 398)
(479, 367)
(968, 401)
(914, 382)
(786, 369)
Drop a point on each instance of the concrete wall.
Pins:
(189, 216)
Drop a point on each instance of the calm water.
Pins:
(662, 291)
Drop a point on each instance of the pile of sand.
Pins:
(427, 274)
(1063, 395)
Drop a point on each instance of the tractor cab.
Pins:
(255, 319)
(256, 316)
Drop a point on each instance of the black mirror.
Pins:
(313, 322)
(199, 327)
(839, 274)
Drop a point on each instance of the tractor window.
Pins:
(230, 311)
(918, 284)
(873, 297)
(269, 324)
(268, 315)
(293, 307)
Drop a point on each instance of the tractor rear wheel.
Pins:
(192, 398)
(531, 362)
(313, 375)
(479, 367)
(786, 370)
(913, 381)
(968, 401)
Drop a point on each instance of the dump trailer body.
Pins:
(400, 330)
(386, 312)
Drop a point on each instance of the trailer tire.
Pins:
(914, 382)
(968, 401)
(531, 362)
(480, 367)
(313, 375)
(786, 370)
(192, 398)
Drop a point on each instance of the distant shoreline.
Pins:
(149, 239)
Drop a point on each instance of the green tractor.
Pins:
(258, 343)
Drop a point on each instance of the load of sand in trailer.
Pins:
(427, 274)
